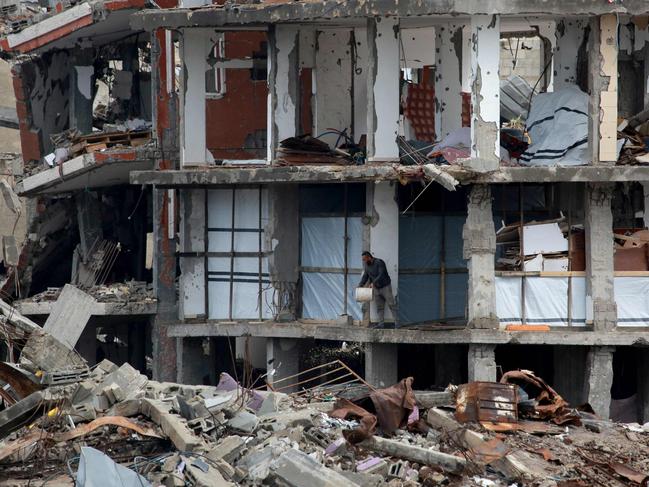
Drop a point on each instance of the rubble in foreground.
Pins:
(110, 425)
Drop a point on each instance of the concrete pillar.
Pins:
(383, 89)
(479, 236)
(482, 363)
(82, 84)
(448, 364)
(284, 84)
(359, 77)
(569, 36)
(602, 84)
(381, 364)
(569, 372)
(195, 45)
(599, 379)
(643, 384)
(485, 92)
(333, 83)
(164, 284)
(448, 79)
(164, 105)
(194, 365)
(283, 236)
(283, 355)
(598, 225)
(89, 221)
(384, 231)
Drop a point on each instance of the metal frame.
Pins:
(231, 276)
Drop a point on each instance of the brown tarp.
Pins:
(393, 406)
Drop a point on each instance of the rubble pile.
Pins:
(65, 423)
(122, 292)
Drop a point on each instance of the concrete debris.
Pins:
(180, 435)
(70, 315)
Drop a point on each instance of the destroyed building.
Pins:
(510, 210)
(199, 181)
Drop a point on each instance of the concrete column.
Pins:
(381, 364)
(569, 372)
(360, 83)
(599, 256)
(283, 355)
(643, 384)
(195, 45)
(89, 221)
(284, 84)
(599, 379)
(333, 83)
(193, 363)
(482, 363)
(485, 92)
(602, 84)
(448, 364)
(164, 105)
(82, 83)
(384, 231)
(448, 79)
(164, 284)
(283, 236)
(383, 89)
(479, 236)
(569, 36)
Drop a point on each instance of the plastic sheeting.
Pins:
(558, 127)
(322, 295)
(418, 297)
(98, 470)
(245, 288)
(420, 247)
(546, 300)
(631, 299)
(323, 245)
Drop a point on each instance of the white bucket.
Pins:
(363, 294)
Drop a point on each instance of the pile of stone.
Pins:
(64, 423)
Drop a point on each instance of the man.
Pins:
(375, 272)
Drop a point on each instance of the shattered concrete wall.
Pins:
(9, 138)
(41, 86)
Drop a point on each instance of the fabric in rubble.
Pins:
(98, 470)
(395, 407)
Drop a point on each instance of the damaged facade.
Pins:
(204, 178)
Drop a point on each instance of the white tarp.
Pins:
(322, 295)
(558, 128)
(631, 295)
(546, 300)
(323, 245)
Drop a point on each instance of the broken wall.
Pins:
(9, 138)
(42, 89)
